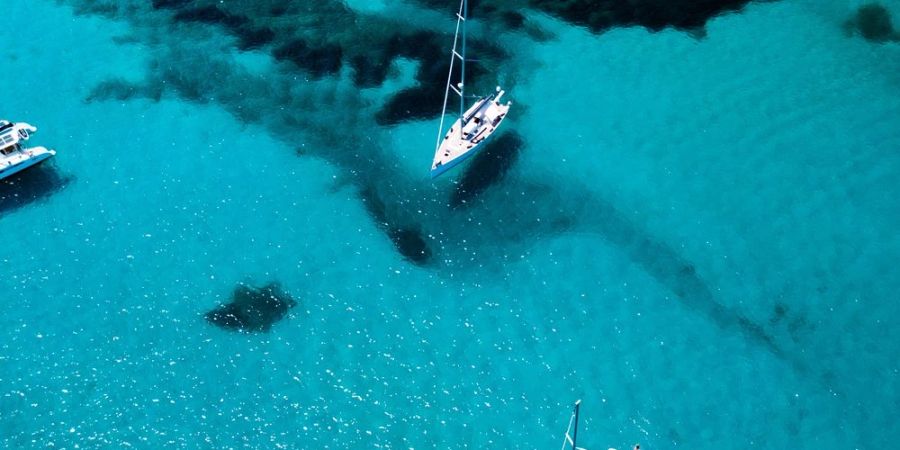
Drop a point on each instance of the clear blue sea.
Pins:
(696, 235)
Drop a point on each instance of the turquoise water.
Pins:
(697, 238)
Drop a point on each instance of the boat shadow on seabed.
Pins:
(29, 186)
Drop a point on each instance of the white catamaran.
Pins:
(13, 156)
(474, 125)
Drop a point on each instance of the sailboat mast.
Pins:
(462, 79)
(460, 21)
(571, 440)
(575, 429)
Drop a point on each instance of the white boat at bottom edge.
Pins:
(14, 156)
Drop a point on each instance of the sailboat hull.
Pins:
(469, 133)
(439, 170)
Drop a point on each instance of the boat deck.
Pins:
(14, 156)
(22, 159)
(460, 142)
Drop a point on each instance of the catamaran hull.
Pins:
(26, 163)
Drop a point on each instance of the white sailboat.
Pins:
(571, 439)
(474, 125)
(14, 157)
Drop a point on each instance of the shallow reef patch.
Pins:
(122, 90)
(655, 15)
(408, 239)
(873, 22)
(411, 244)
(252, 309)
(319, 61)
(602, 15)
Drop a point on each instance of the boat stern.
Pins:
(28, 157)
(39, 154)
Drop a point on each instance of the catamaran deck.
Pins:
(13, 156)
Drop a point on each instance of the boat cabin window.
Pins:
(10, 149)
